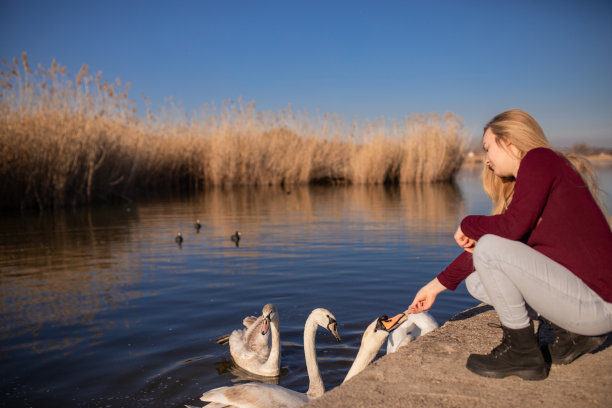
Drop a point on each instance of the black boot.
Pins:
(569, 346)
(518, 354)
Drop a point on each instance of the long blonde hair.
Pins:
(523, 131)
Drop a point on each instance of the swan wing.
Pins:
(415, 326)
(249, 320)
(239, 334)
(425, 322)
(255, 341)
(246, 350)
(255, 395)
(400, 336)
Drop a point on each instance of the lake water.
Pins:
(100, 307)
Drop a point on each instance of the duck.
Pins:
(412, 326)
(251, 348)
(236, 237)
(198, 226)
(179, 239)
(260, 395)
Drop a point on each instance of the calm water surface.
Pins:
(100, 307)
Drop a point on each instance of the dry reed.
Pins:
(66, 141)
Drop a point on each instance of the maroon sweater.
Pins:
(553, 212)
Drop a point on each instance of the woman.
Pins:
(547, 245)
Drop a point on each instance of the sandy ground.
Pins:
(430, 372)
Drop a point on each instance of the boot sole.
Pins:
(529, 374)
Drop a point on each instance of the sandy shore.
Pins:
(430, 372)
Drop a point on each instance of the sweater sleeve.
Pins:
(535, 178)
(457, 271)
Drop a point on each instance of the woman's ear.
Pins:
(513, 150)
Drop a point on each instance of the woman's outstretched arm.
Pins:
(426, 296)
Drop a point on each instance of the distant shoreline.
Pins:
(600, 160)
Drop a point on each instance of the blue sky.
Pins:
(352, 58)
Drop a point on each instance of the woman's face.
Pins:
(502, 158)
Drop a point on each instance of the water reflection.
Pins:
(66, 266)
(59, 267)
(427, 207)
(225, 366)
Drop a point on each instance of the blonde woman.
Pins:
(547, 245)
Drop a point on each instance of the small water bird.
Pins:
(251, 347)
(179, 239)
(236, 237)
(198, 225)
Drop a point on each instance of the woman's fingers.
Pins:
(463, 241)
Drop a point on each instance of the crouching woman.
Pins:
(547, 245)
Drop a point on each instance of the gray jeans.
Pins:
(509, 275)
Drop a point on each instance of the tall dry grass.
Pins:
(68, 141)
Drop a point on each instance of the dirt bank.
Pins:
(431, 372)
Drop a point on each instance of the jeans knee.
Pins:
(475, 288)
(486, 245)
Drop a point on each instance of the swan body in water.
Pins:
(256, 348)
(413, 326)
(255, 395)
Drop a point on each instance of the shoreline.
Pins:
(476, 159)
(430, 372)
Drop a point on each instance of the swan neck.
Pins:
(316, 387)
(273, 358)
(371, 342)
(364, 357)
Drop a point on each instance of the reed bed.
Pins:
(70, 141)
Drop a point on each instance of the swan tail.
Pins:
(223, 339)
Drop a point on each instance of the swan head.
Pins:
(326, 319)
(372, 340)
(270, 314)
(378, 331)
(389, 324)
(423, 320)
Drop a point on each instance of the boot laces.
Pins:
(503, 347)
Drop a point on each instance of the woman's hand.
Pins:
(426, 296)
(463, 241)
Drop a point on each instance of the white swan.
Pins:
(258, 395)
(251, 347)
(413, 326)
(371, 342)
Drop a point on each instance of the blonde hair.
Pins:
(523, 131)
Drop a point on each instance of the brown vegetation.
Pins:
(67, 141)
